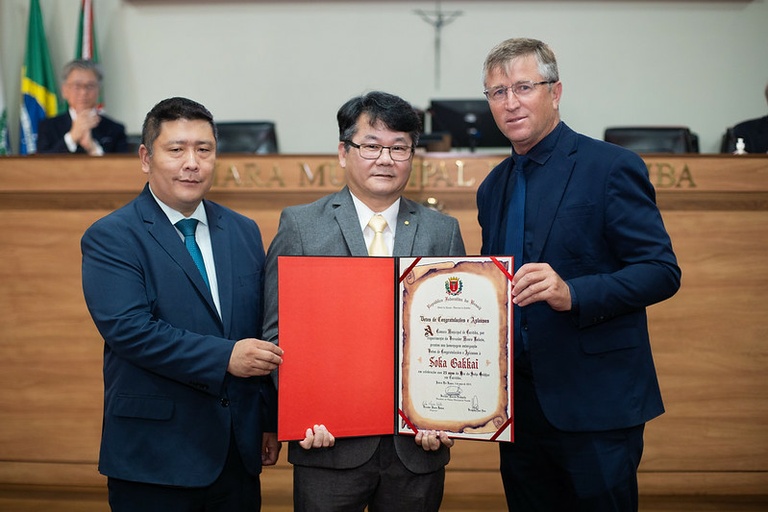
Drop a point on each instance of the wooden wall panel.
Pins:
(711, 347)
(710, 341)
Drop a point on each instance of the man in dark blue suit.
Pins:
(591, 253)
(189, 406)
(83, 129)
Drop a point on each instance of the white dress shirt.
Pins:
(203, 238)
(364, 215)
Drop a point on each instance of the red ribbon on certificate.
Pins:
(509, 276)
(408, 270)
(501, 267)
(502, 429)
(407, 421)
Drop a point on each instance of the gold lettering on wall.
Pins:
(333, 172)
(686, 177)
(249, 175)
(460, 181)
(666, 175)
(323, 173)
(439, 173)
(429, 175)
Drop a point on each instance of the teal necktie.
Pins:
(187, 228)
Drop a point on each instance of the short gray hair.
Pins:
(84, 64)
(511, 49)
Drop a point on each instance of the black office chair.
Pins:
(247, 137)
(133, 141)
(728, 141)
(654, 139)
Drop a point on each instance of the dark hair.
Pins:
(396, 114)
(173, 109)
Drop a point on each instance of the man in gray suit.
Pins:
(378, 133)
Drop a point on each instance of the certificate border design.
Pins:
(497, 424)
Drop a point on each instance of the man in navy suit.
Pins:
(83, 129)
(190, 411)
(378, 133)
(591, 253)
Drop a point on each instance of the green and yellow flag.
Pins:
(39, 95)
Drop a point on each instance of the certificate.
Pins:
(377, 346)
(455, 370)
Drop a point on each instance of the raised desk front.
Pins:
(710, 340)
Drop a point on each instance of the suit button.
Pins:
(225, 402)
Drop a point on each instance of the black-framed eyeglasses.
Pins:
(519, 89)
(398, 152)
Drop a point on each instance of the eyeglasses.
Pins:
(373, 151)
(80, 86)
(519, 89)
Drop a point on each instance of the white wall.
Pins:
(698, 63)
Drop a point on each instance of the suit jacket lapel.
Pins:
(496, 209)
(550, 189)
(160, 228)
(405, 232)
(222, 254)
(346, 217)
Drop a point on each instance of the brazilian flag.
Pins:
(39, 96)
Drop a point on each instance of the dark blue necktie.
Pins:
(513, 243)
(187, 228)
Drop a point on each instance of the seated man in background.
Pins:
(84, 129)
(754, 132)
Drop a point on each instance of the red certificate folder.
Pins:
(339, 327)
(336, 328)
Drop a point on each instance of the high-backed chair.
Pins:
(247, 137)
(654, 139)
(728, 141)
(133, 141)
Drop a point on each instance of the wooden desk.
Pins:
(710, 341)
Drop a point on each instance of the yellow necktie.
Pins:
(378, 247)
